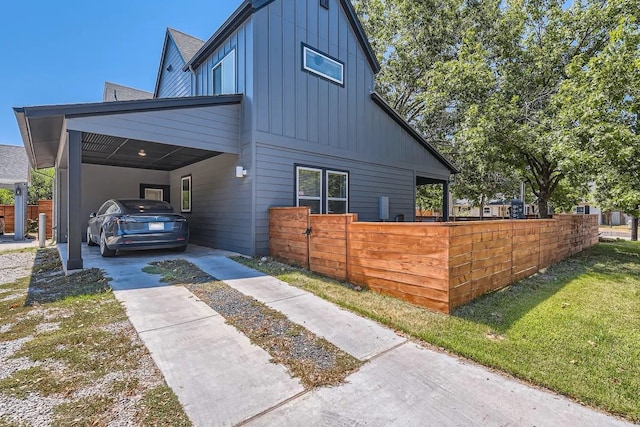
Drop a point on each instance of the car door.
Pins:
(95, 223)
(108, 224)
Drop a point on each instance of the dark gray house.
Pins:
(276, 109)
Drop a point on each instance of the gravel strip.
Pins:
(15, 265)
(311, 358)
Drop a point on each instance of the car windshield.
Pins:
(147, 205)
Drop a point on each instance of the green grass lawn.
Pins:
(574, 328)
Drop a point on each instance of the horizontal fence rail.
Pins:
(435, 265)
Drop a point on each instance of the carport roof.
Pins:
(42, 129)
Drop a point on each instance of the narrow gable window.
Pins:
(320, 64)
(224, 75)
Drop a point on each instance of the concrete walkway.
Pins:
(222, 379)
(9, 243)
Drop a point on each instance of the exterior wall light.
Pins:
(142, 153)
(240, 172)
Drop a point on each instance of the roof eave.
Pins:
(407, 127)
(243, 12)
(360, 34)
(164, 49)
(114, 107)
(25, 134)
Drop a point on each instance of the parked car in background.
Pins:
(133, 224)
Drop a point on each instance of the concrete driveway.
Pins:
(222, 379)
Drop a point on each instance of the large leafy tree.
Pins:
(601, 106)
(481, 80)
(41, 187)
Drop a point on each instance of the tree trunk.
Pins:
(481, 208)
(634, 228)
(543, 208)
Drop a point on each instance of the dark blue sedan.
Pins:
(133, 224)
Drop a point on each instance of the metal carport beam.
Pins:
(74, 228)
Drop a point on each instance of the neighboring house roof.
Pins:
(249, 7)
(187, 46)
(414, 133)
(14, 165)
(116, 92)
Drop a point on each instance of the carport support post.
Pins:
(445, 201)
(74, 222)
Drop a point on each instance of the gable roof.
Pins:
(14, 166)
(116, 92)
(377, 99)
(187, 47)
(249, 7)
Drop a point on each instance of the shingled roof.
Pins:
(116, 92)
(14, 165)
(186, 44)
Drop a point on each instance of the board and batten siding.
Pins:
(242, 41)
(304, 108)
(214, 128)
(221, 204)
(175, 82)
(367, 181)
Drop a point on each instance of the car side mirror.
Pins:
(92, 215)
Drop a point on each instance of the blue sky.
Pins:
(58, 52)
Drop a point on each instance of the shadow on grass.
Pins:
(616, 260)
(48, 283)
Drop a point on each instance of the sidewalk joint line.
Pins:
(178, 324)
(287, 298)
(382, 353)
(273, 408)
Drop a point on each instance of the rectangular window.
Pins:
(309, 188)
(486, 210)
(153, 193)
(318, 63)
(223, 75)
(337, 192)
(185, 194)
(322, 190)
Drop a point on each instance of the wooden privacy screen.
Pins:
(435, 265)
(43, 206)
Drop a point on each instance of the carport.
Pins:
(117, 149)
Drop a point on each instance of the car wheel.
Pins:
(181, 248)
(90, 241)
(104, 250)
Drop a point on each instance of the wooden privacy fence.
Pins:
(434, 265)
(43, 206)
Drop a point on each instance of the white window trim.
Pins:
(182, 191)
(229, 58)
(298, 196)
(339, 199)
(306, 49)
